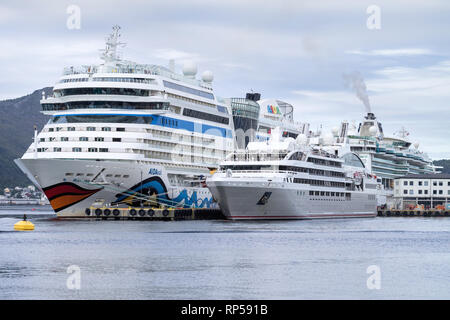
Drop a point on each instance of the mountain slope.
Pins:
(445, 163)
(17, 119)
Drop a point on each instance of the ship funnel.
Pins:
(370, 116)
(253, 96)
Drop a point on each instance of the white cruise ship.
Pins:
(289, 179)
(122, 132)
(386, 157)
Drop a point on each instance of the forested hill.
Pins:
(17, 118)
(445, 163)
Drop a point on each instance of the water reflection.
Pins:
(224, 260)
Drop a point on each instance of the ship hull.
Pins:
(239, 202)
(72, 186)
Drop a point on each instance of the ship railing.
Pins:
(256, 156)
(368, 143)
(128, 67)
(256, 171)
(362, 137)
(323, 154)
(79, 70)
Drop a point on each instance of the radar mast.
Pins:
(110, 54)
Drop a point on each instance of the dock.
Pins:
(413, 213)
(172, 214)
(177, 214)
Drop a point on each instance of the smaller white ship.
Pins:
(289, 179)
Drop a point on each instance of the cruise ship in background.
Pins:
(139, 134)
(386, 157)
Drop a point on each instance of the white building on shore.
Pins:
(429, 190)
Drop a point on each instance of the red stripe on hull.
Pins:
(55, 191)
(314, 216)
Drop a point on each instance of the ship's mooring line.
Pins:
(140, 196)
(133, 195)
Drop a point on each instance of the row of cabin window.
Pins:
(87, 129)
(329, 194)
(107, 91)
(426, 192)
(425, 183)
(57, 149)
(105, 105)
(324, 162)
(320, 183)
(97, 139)
(205, 116)
(109, 175)
(135, 80)
(91, 149)
(189, 90)
(317, 172)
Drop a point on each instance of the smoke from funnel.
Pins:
(355, 82)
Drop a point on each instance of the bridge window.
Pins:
(205, 116)
(351, 159)
(110, 91)
(296, 156)
(101, 119)
(185, 89)
(105, 105)
(222, 109)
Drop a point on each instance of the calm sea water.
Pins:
(325, 259)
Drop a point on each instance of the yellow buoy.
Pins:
(24, 225)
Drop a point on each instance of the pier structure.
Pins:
(413, 213)
(149, 213)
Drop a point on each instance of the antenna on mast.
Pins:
(402, 133)
(110, 54)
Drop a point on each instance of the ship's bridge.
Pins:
(397, 142)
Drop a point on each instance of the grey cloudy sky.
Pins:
(297, 51)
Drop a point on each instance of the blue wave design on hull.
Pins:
(155, 185)
(188, 202)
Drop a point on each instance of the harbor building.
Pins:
(427, 190)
